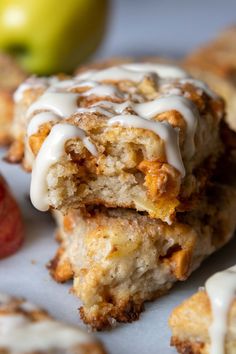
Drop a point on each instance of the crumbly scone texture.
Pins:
(22, 322)
(215, 63)
(119, 258)
(11, 76)
(131, 169)
(190, 322)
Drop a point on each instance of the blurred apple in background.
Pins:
(50, 36)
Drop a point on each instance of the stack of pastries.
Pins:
(129, 160)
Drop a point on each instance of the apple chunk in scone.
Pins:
(141, 136)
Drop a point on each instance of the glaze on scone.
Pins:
(215, 63)
(27, 329)
(191, 324)
(142, 136)
(119, 258)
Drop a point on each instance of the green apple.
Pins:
(49, 36)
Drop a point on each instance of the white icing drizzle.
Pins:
(28, 337)
(58, 101)
(199, 84)
(162, 70)
(95, 110)
(39, 119)
(85, 76)
(221, 290)
(19, 334)
(51, 151)
(18, 94)
(151, 109)
(134, 72)
(62, 103)
(9, 322)
(34, 82)
(102, 91)
(116, 73)
(116, 107)
(181, 104)
(83, 83)
(162, 129)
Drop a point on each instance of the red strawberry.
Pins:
(11, 226)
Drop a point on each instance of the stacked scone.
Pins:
(129, 159)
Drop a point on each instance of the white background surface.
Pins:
(137, 27)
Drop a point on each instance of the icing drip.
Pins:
(162, 129)
(162, 70)
(20, 334)
(116, 107)
(39, 119)
(201, 85)
(221, 290)
(133, 72)
(28, 337)
(50, 152)
(63, 104)
(34, 82)
(149, 110)
(180, 104)
(94, 110)
(102, 90)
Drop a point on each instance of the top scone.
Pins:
(143, 136)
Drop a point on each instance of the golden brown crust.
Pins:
(91, 348)
(109, 314)
(59, 268)
(186, 347)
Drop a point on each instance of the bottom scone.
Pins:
(119, 258)
(27, 329)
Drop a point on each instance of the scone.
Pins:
(142, 136)
(11, 76)
(27, 329)
(119, 258)
(206, 322)
(215, 63)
